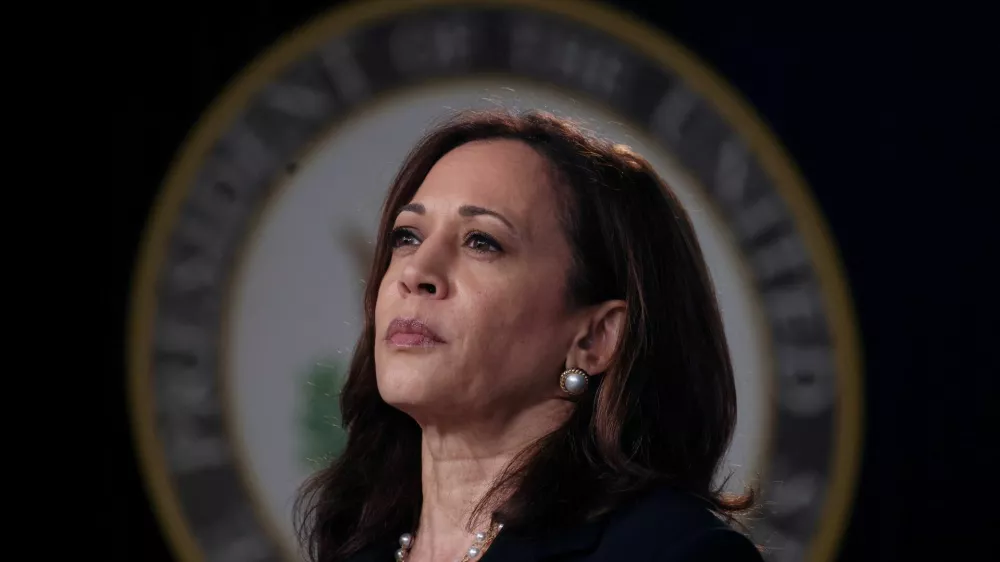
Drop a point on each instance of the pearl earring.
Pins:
(574, 381)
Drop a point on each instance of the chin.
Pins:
(400, 384)
(413, 392)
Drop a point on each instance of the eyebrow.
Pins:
(464, 210)
(474, 211)
(412, 208)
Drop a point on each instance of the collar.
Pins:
(515, 546)
(525, 548)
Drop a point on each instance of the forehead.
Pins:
(501, 174)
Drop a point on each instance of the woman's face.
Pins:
(471, 317)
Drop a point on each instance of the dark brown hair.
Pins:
(663, 413)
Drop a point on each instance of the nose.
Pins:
(424, 274)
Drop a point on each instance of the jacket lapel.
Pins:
(523, 548)
(510, 546)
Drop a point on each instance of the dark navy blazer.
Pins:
(663, 526)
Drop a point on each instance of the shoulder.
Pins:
(717, 544)
(670, 525)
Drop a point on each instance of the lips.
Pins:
(410, 332)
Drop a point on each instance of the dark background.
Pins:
(884, 108)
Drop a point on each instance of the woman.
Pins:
(543, 372)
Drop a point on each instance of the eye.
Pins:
(403, 236)
(483, 243)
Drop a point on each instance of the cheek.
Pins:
(383, 298)
(526, 316)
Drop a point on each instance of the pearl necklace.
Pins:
(483, 540)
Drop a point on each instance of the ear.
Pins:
(597, 340)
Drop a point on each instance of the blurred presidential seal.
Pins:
(247, 295)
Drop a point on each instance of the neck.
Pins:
(459, 463)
